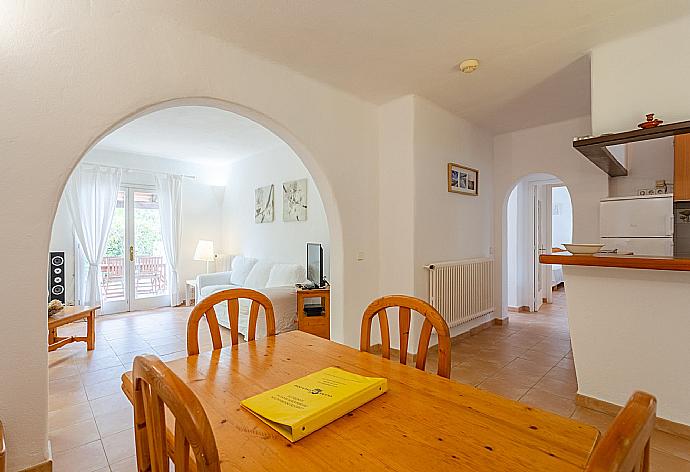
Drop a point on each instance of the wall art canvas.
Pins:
(462, 179)
(263, 204)
(295, 200)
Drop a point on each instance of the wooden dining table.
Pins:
(423, 421)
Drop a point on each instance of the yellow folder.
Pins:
(302, 406)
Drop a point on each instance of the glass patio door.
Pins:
(134, 271)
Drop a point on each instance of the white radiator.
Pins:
(462, 290)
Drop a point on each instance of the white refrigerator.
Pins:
(639, 225)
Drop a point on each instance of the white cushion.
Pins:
(258, 276)
(241, 266)
(211, 289)
(285, 274)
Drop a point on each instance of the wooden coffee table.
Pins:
(67, 315)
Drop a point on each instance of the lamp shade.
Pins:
(204, 251)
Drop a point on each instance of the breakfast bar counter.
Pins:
(616, 260)
(630, 329)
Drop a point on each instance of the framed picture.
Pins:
(263, 204)
(295, 200)
(464, 180)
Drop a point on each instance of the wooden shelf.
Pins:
(595, 149)
(316, 325)
(611, 260)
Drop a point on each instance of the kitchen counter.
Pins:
(620, 261)
(630, 329)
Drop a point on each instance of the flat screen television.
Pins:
(315, 264)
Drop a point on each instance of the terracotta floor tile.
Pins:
(660, 461)
(104, 388)
(59, 400)
(110, 403)
(549, 402)
(69, 415)
(87, 458)
(61, 370)
(91, 365)
(558, 387)
(504, 388)
(125, 465)
(119, 446)
(541, 358)
(600, 420)
(115, 421)
(102, 375)
(72, 436)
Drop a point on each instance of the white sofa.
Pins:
(276, 281)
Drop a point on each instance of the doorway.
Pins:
(133, 271)
(538, 207)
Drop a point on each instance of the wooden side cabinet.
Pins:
(318, 322)
(681, 167)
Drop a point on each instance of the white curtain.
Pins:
(91, 196)
(169, 188)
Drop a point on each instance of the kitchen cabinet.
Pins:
(681, 167)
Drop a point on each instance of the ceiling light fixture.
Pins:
(469, 65)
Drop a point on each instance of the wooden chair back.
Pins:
(232, 296)
(3, 450)
(156, 388)
(625, 446)
(405, 304)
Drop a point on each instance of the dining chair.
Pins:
(625, 446)
(232, 297)
(157, 389)
(405, 304)
(3, 452)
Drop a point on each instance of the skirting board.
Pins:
(662, 424)
(519, 309)
(45, 466)
(376, 348)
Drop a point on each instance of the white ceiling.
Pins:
(201, 135)
(530, 50)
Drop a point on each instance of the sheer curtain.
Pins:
(91, 196)
(169, 189)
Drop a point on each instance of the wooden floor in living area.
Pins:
(90, 420)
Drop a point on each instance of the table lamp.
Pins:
(204, 252)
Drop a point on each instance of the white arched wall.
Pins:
(100, 64)
(320, 181)
(521, 262)
(545, 150)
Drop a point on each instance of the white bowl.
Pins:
(583, 249)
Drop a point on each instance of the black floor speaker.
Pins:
(56, 281)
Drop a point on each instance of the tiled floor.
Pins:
(91, 421)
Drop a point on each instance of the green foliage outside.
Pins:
(147, 233)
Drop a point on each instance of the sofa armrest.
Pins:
(215, 278)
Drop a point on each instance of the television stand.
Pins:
(314, 318)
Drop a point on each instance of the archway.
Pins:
(536, 219)
(320, 181)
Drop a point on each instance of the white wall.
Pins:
(546, 149)
(101, 66)
(561, 217)
(420, 222)
(279, 241)
(647, 162)
(643, 73)
(396, 197)
(449, 226)
(512, 249)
